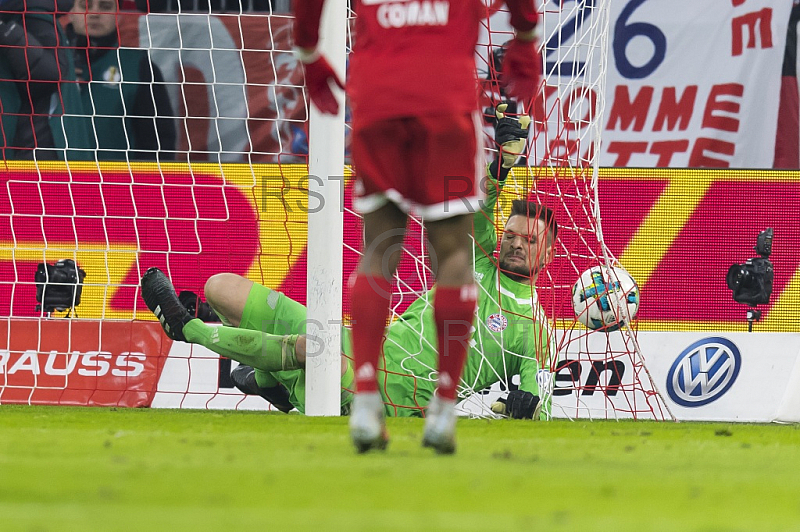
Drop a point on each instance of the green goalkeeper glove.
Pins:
(510, 134)
(517, 405)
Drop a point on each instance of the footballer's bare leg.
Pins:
(450, 239)
(454, 309)
(227, 294)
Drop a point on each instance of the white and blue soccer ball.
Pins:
(605, 298)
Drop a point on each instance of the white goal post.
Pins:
(325, 230)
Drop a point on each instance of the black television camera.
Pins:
(751, 282)
(59, 286)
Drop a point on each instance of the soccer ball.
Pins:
(605, 298)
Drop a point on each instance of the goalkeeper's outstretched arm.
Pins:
(510, 136)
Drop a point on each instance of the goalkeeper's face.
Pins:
(525, 248)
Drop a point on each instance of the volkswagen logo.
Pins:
(703, 372)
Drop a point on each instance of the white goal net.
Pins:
(227, 191)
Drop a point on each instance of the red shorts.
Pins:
(429, 164)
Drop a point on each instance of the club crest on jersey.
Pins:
(496, 322)
(414, 13)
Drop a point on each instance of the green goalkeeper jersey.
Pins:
(511, 335)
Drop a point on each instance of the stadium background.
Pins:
(240, 204)
(162, 469)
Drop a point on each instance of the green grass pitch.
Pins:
(87, 469)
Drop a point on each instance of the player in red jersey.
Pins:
(416, 146)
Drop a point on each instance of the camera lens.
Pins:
(737, 274)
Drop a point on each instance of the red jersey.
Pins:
(412, 57)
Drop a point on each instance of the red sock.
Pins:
(369, 307)
(453, 311)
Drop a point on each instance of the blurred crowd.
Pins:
(69, 90)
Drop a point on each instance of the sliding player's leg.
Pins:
(228, 294)
(266, 351)
(255, 307)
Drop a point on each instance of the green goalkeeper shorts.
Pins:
(271, 312)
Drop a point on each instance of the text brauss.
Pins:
(87, 364)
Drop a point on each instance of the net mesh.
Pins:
(226, 192)
(596, 374)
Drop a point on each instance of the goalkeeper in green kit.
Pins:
(263, 329)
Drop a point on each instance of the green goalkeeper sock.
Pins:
(264, 379)
(265, 352)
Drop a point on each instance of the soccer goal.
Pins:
(236, 193)
(590, 373)
(595, 371)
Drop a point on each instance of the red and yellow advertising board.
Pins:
(676, 231)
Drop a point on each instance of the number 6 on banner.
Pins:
(624, 33)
